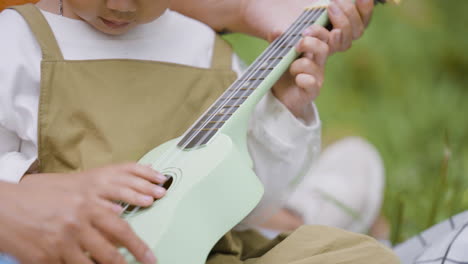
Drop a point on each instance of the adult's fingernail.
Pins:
(159, 191)
(149, 257)
(147, 199)
(160, 177)
(117, 208)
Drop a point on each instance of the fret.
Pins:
(241, 89)
(280, 52)
(231, 100)
(209, 125)
(266, 70)
(204, 129)
(221, 111)
(199, 138)
(287, 46)
(216, 118)
(292, 38)
(242, 83)
(240, 92)
(235, 97)
(310, 22)
(249, 84)
(226, 106)
(256, 78)
(276, 59)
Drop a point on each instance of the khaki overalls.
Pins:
(99, 112)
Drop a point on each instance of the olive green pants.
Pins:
(307, 245)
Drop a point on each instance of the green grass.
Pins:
(404, 87)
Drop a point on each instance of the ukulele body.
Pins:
(213, 189)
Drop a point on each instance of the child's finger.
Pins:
(308, 83)
(315, 49)
(317, 32)
(304, 65)
(336, 36)
(340, 21)
(365, 8)
(349, 8)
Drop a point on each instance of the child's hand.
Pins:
(301, 85)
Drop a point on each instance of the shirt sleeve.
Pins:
(19, 90)
(15, 161)
(282, 148)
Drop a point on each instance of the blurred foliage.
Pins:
(404, 87)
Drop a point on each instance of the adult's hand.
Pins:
(67, 221)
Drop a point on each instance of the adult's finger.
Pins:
(119, 231)
(127, 195)
(73, 254)
(141, 186)
(145, 172)
(99, 247)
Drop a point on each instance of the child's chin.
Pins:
(113, 31)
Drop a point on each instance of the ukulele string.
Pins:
(259, 62)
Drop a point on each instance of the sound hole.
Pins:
(168, 183)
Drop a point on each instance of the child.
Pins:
(109, 80)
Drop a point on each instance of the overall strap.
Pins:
(41, 30)
(222, 54)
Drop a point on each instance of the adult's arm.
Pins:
(267, 18)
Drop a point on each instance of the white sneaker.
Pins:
(344, 188)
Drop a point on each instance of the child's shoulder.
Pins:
(15, 33)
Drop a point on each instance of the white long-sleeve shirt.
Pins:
(279, 144)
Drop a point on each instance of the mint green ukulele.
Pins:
(212, 184)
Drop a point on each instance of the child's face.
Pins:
(116, 16)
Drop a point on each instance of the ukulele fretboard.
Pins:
(233, 98)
